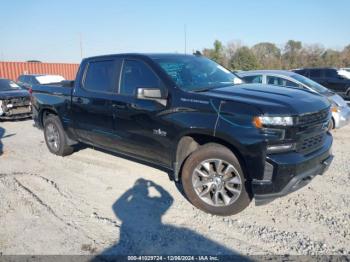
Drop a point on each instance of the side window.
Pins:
(20, 79)
(301, 72)
(33, 80)
(278, 81)
(100, 76)
(25, 79)
(330, 73)
(315, 73)
(137, 74)
(253, 79)
(28, 80)
(290, 84)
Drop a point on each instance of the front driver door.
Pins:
(142, 131)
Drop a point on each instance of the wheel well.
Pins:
(189, 143)
(333, 122)
(44, 114)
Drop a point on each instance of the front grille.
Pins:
(18, 101)
(310, 144)
(307, 119)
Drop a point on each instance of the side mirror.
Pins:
(151, 94)
(67, 83)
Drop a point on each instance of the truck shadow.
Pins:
(143, 233)
(2, 136)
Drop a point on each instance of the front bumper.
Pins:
(342, 117)
(292, 171)
(16, 113)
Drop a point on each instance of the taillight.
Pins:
(30, 90)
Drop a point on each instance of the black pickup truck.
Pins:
(227, 143)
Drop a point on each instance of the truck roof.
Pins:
(150, 55)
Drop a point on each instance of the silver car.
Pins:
(340, 109)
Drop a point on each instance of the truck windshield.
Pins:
(310, 83)
(8, 85)
(197, 73)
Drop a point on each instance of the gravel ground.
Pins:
(92, 202)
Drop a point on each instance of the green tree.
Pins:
(331, 58)
(311, 56)
(291, 56)
(244, 59)
(217, 53)
(268, 55)
(345, 56)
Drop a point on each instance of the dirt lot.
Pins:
(93, 202)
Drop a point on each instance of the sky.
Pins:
(50, 30)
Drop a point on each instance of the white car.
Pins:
(345, 72)
(27, 81)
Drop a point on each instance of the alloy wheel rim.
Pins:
(217, 182)
(52, 137)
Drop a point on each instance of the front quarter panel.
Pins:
(235, 125)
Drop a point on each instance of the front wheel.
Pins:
(213, 181)
(55, 137)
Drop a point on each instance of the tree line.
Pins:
(265, 55)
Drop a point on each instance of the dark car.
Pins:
(226, 143)
(27, 81)
(14, 101)
(328, 77)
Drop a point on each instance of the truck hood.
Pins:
(273, 99)
(13, 93)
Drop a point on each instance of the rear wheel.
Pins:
(55, 137)
(214, 182)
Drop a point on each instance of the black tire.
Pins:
(331, 124)
(62, 148)
(214, 151)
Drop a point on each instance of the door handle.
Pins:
(79, 100)
(118, 106)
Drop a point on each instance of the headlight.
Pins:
(335, 108)
(261, 121)
(1, 111)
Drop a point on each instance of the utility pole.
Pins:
(185, 33)
(81, 46)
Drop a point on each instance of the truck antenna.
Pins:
(185, 34)
(81, 46)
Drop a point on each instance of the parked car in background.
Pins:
(345, 72)
(14, 101)
(27, 81)
(328, 77)
(226, 143)
(340, 109)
